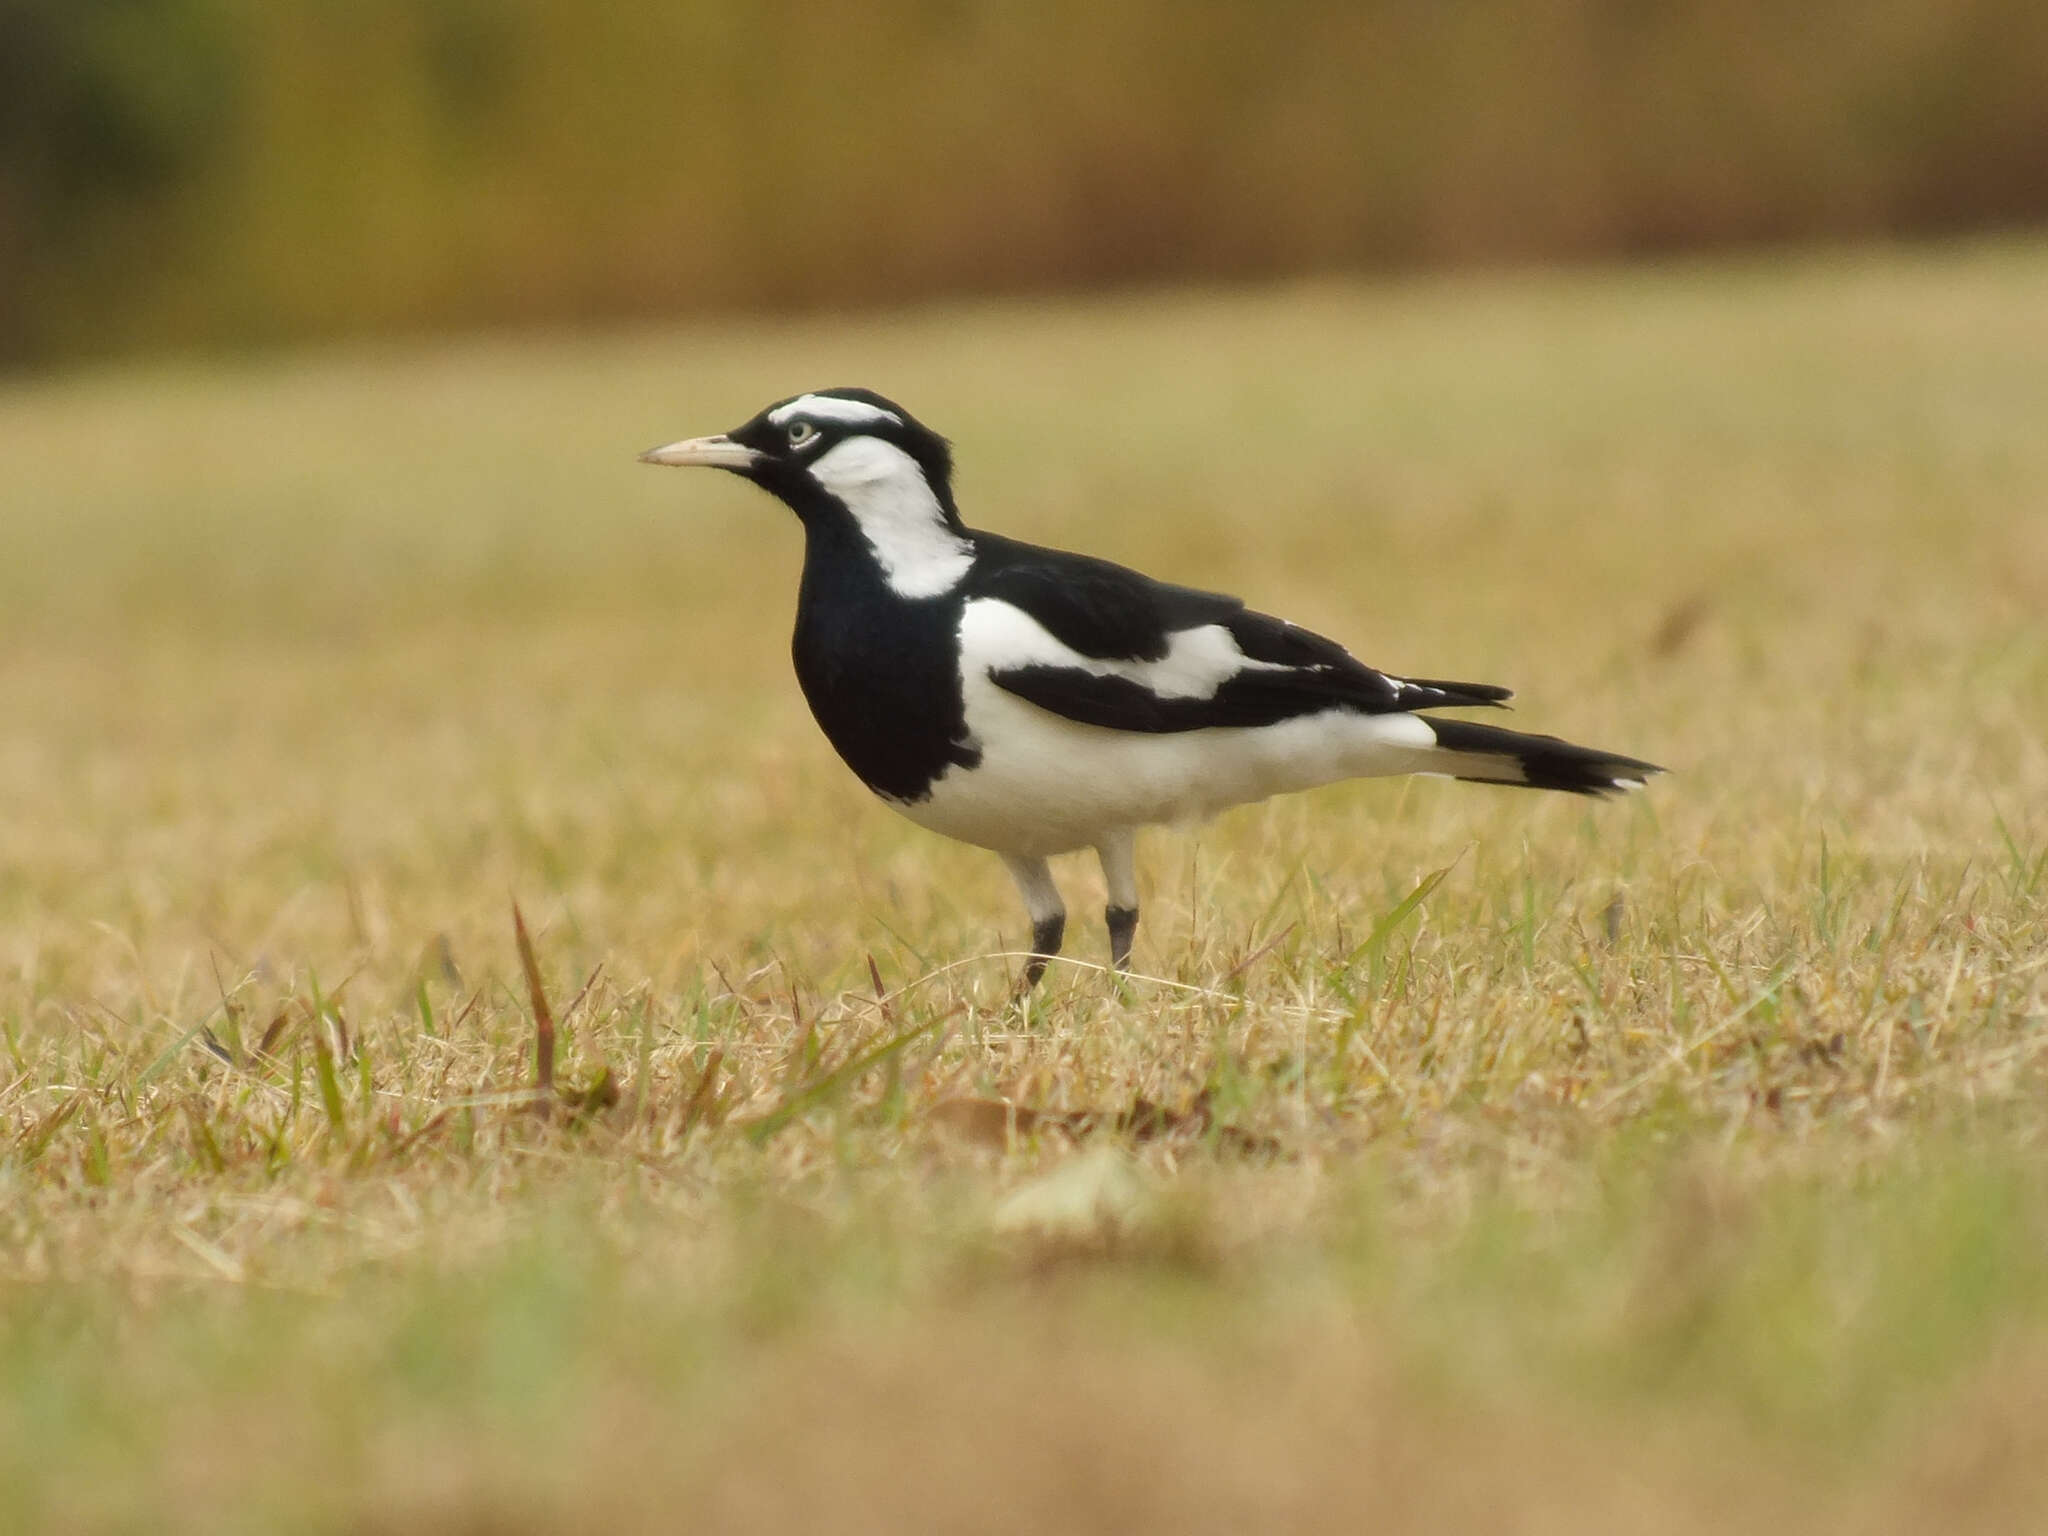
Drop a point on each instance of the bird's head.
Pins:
(843, 447)
(851, 465)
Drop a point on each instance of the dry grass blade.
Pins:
(274, 1032)
(702, 1097)
(205, 1146)
(807, 1095)
(807, 1051)
(29, 1145)
(881, 993)
(543, 1016)
(582, 992)
(1257, 955)
(420, 1133)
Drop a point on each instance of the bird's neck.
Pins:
(902, 525)
(878, 669)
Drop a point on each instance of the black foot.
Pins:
(1123, 927)
(1046, 937)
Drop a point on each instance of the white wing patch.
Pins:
(832, 408)
(995, 635)
(920, 553)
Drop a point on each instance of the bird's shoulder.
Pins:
(1095, 607)
(1110, 612)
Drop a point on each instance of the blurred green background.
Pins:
(228, 172)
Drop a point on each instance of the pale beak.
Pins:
(719, 452)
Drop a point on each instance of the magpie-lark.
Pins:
(1033, 702)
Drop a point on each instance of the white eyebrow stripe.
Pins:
(832, 408)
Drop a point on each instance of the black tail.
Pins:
(1486, 754)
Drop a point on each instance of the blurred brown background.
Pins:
(221, 172)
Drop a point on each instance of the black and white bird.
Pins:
(1034, 702)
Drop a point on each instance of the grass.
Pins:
(1474, 1160)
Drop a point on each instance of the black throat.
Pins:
(880, 671)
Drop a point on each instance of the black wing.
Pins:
(1110, 613)
(1096, 607)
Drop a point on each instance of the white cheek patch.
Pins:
(996, 635)
(832, 408)
(920, 553)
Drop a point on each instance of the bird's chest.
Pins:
(882, 678)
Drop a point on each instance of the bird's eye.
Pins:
(801, 432)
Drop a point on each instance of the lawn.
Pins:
(1456, 1159)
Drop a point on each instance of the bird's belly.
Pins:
(1046, 784)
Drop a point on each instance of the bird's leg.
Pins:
(1119, 855)
(1048, 912)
